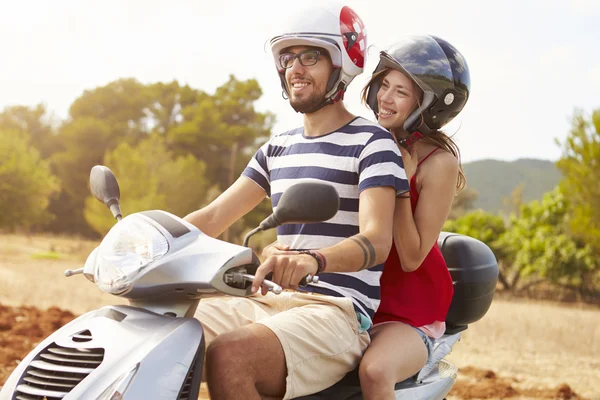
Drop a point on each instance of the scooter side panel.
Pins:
(164, 346)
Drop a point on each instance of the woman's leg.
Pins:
(396, 353)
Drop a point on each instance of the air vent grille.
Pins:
(56, 371)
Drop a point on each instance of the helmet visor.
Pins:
(422, 58)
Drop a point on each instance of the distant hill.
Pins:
(495, 180)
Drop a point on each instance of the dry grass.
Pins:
(28, 278)
(540, 344)
(535, 344)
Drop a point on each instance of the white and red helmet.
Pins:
(334, 27)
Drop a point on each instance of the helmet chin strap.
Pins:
(410, 139)
(417, 126)
(417, 133)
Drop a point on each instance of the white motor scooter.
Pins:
(154, 348)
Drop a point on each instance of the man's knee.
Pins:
(226, 351)
(243, 348)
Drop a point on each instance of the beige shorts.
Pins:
(319, 334)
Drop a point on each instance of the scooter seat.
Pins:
(346, 389)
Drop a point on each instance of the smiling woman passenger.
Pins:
(419, 85)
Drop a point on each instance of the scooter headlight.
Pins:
(129, 247)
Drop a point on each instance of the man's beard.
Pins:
(308, 104)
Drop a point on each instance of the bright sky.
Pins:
(531, 62)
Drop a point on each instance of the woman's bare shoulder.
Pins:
(441, 164)
(442, 159)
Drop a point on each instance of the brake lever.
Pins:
(275, 288)
(237, 279)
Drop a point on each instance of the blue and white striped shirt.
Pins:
(358, 156)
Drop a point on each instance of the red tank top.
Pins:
(420, 297)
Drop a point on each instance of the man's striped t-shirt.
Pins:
(358, 156)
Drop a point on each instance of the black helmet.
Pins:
(438, 69)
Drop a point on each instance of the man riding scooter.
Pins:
(303, 341)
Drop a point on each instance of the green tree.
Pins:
(535, 245)
(541, 245)
(120, 105)
(580, 165)
(514, 202)
(100, 119)
(151, 177)
(36, 122)
(134, 110)
(124, 111)
(487, 228)
(168, 100)
(479, 225)
(223, 130)
(84, 142)
(26, 183)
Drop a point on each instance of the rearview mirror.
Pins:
(302, 203)
(307, 202)
(105, 188)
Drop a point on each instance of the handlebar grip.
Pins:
(303, 282)
(309, 279)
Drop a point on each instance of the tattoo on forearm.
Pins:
(368, 251)
(364, 250)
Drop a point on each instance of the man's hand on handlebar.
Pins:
(288, 269)
(276, 248)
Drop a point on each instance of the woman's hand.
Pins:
(410, 160)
